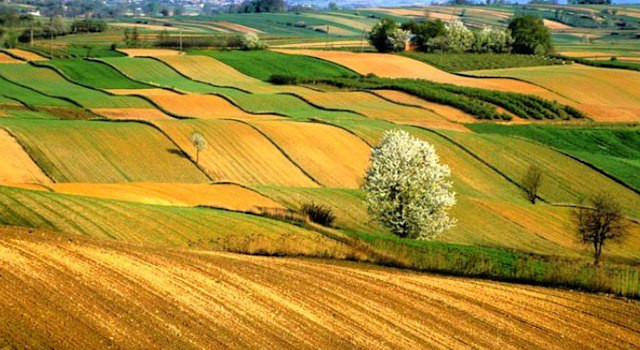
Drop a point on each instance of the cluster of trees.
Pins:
(525, 34)
(258, 6)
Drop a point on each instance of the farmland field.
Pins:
(217, 180)
(612, 95)
(83, 151)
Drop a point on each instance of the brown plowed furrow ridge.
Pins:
(70, 292)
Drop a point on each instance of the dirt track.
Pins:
(66, 292)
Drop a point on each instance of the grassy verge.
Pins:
(477, 102)
(262, 64)
(459, 62)
(603, 64)
(504, 265)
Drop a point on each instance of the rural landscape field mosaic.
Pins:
(269, 174)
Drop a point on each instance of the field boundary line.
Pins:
(265, 135)
(584, 162)
(305, 100)
(157, 128)
(55, 97)
(26, 151)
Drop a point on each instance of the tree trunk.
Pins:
(596, 255)
(197, 157)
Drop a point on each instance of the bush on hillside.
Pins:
(251, 41)
(319, 214)
(387, 36)
(530, 35)
(280, 79)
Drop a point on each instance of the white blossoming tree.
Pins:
(457, 38)
(407, 187)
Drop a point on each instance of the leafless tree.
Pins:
(599, 221)
(531, 182)
(199, 142)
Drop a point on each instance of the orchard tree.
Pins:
(199, 143)
(530, 36)
(386, 36)
(407, 188)
(251, 41)
(491, 39)
(423, 32)
(599, 222)
(457, 38)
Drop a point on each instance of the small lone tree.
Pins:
(199, 143)
(600, 221)
(531, 183)
(407, 187)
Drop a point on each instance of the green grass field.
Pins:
(263, 64)
(453, 62)
(94, 74)
(29, 97)
(156, 225)
(51, 83)
(92, 151)
(614, 151)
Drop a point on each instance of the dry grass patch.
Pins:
(227, 196)
(553, 25)
(236, 152)
(237, 27)
(331, 155)
(16, 165)
(604, 94)
(142, 297)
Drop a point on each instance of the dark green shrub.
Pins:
(530, 35)
(319, 214)
(280, 79)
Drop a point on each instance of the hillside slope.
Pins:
(79, 293)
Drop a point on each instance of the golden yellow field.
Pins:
(334, 157)
(236, 152)
(227, 196)
(16, 165)
(111, 294)
(197, 106)
(605, 94)
(146, 26)
(448, 112)
(27, 55)
(236, 27)
(4, 58)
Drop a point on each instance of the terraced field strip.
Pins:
(353, 26)
(219, 300)
(227, 196)
(236, 152)
(196, 106)
(95, 74)
(323, 44)
(131, 113)
(160, 226)
(49, 82)
(237, 27)
(448, 112)
(394, 66)
(4, 58)
(16, 165)
(212, 71)
(156, 73)
(150, 52)
(566, 179)
(376, 107)
(334, 157)
(86, 151)
(29, 97)
(26, 55)
(613, 94)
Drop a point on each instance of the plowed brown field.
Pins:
(16, 165)
(227, 196)
(66, 292)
